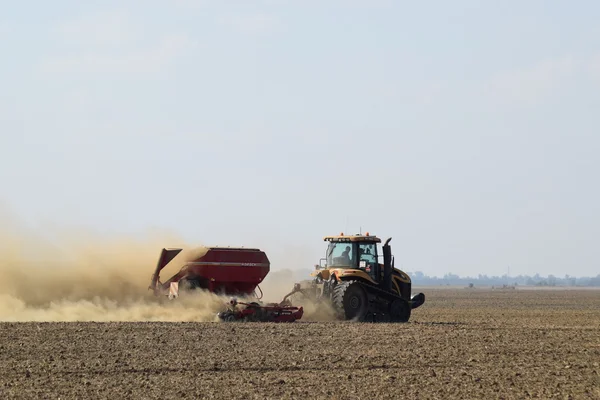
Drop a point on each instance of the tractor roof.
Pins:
(353, 238)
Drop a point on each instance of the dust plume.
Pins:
(281, 282)
(78, 276)
(50, 275)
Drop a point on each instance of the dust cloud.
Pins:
(47, 275)
(79, 276)
(281, 282)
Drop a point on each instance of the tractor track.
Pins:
(373, 312)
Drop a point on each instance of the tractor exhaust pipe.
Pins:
(387, 266)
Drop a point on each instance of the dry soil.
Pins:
(463, 343)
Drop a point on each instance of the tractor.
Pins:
(359, 287)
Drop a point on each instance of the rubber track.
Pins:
(340, 289)
(338, 297)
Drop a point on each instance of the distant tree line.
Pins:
(419, 278)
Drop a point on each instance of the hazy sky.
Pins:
(468, 131)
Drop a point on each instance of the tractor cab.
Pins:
(356, 252)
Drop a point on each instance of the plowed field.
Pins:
(463, 343)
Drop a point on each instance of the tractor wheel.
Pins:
(350, 301)
(400, 311)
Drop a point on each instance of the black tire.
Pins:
(400, 311)
(350, 301)
(226, 316)
(230, 318)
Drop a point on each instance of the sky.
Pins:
(467, 131)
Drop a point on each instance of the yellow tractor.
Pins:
(357, 285)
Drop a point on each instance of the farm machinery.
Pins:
(352, 281)
(357, 285)
(225, 271)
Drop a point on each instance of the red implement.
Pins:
(223, 270)
(230, 271)
(254, 312)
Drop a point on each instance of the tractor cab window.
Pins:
(367, 260)
(367, 252)
(340, 254)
